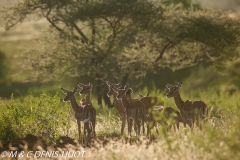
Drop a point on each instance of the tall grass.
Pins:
(47, 116)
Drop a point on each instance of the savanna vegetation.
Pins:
(145, 44)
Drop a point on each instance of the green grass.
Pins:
(48, 117)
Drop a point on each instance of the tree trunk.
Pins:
(107, 101)
(99, 95)
(102, 92)
(125, 79)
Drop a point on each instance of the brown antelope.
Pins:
(150, 103)
(167, 117)
(191, 111)
(134, 109)
(129, 95)
(86, 89)
(157, 113)
(117, 103)
(83, 102)
(85, 113)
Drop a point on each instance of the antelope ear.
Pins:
(147, 94)
(115, 89)
(140, 96)
(108, 83)
(179, 85)
(64, 90)
(80, 85)
(119, 85)
(126, 88)
(75, 89)
(90, 85)
(168, 85)
(129, 91)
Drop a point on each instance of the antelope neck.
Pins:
(87, 97)
(115, 96)
(118, 103)
(125, 102)
(74, 103)
(178, 100)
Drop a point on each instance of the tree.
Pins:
(112, 39)
(3, 68)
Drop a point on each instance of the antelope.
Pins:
(191, 111)
(157, 113)
(83, 102)
(149, 103)
(117, 103)
(86, 89)
(167, 117)
(134, 109)
(85, 113)
(129, 95)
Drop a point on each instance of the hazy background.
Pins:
(221, 4)
(15, 42)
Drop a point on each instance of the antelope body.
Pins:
(191, 111)
(117, 103)
(83, 113)
(135, 110)
(168, 117)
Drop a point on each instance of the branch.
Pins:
(181, 36)
(113, 26)
(55, 26)
(163, 50)
(49, 20)
(84, 38)
(93, 32)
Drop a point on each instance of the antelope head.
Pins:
(173, 90)
(121, 92)
(141, 96)
(129, 91)
(111, 87)
(148, 100)
(68, 94)
(85, 88)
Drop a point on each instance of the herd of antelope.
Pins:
(145, 109)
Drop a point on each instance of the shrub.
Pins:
(42, 116)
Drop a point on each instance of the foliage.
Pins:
(42, 116)
(218, 140)
(225, 80)
(107, 39)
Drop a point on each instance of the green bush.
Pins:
(42, 116)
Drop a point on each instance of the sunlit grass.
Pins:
(219, 138)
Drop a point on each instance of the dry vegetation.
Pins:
(47, 122)
(218, 140)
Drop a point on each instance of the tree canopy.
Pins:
(128, 36)
(110, 39)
